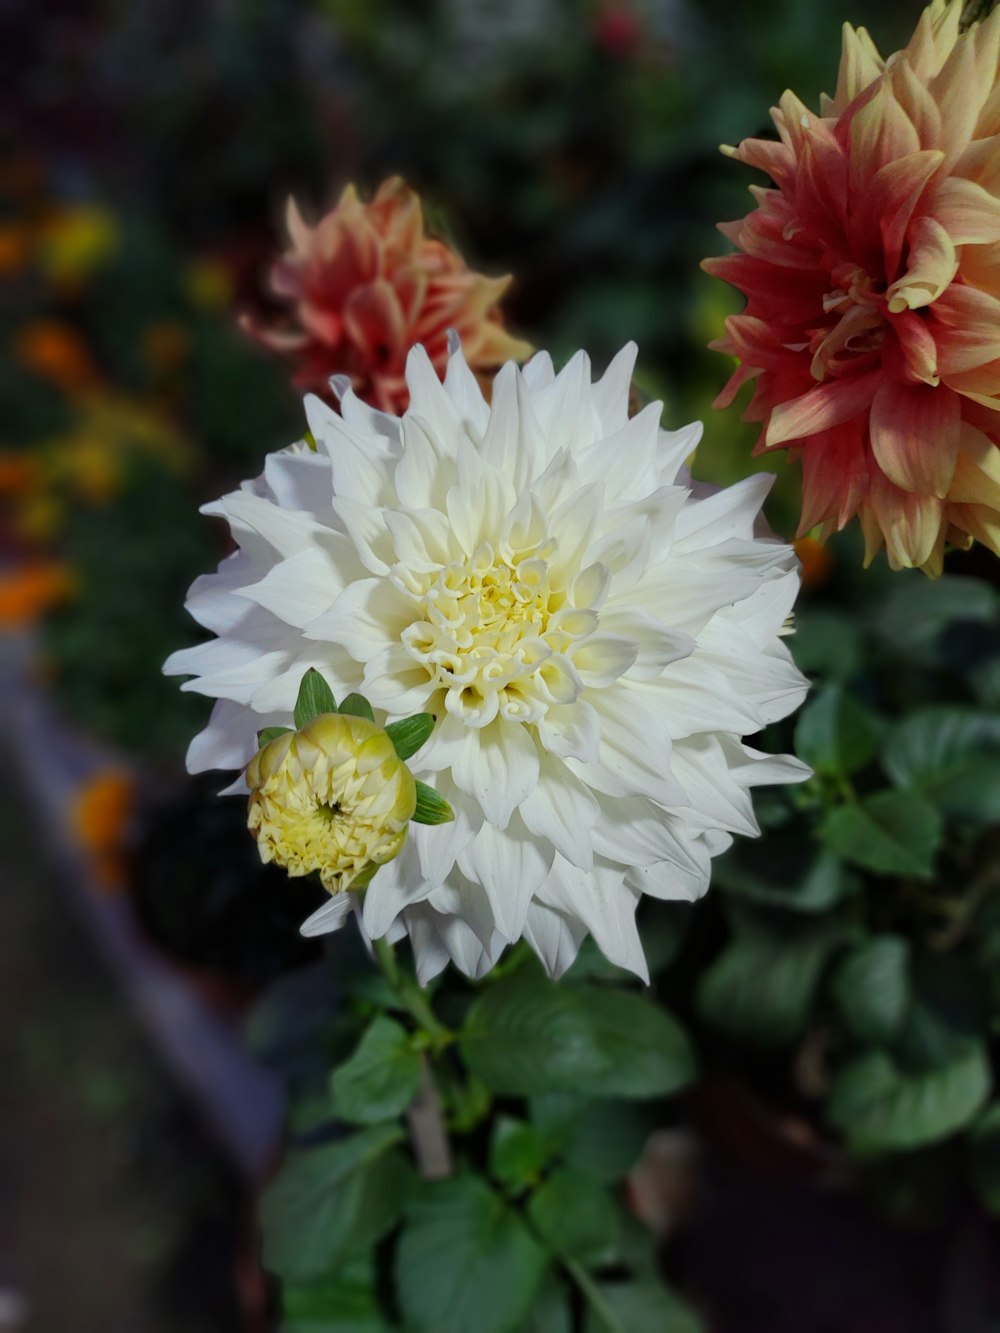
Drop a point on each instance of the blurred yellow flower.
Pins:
(77, 241)
(333, 798)
(208, 285)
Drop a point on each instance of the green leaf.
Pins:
(785, 872)
(834, 734)
(381, 1078)
(526, 1035)
(411, 733)
(871, 987)
(880, 1108)
(920, 608)
(576, 1215)
(984, 1147)
(826, 644)
(517, 1153)
(951, 756)
(431, 808)
(331, 1203)
(356, 705)
(603, 1138)
(268, 734)
(346, 1303)
(550, 1311)
(465, 1260)
(640, 1307)
(892, 833)
(315, 697)
(761, 987)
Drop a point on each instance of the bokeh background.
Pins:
(572, 143)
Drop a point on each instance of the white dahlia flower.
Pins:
(594, 631)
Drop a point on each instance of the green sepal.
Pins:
(315, 698)
(268, 734)
(409, 735)
(431, 808)
(357, 706)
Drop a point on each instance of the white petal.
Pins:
(395, 682)
(229, 740)
(670, 882)
(727, 512)
(715, 799)
(499, 767)
(300, 478)
(367, 529)
(601, 658)
(331, 916)
(438, 846)
(610, 395)
(556, 937)
(656, 645)
(366, 617)
(635, 746)
(634, 831)
(428, 398)
(563, 810)
(300, 588)
(394, 887)
(285, 531)
(572, 731)
(361, 463)
(510, 866)
(463, 389)
(606, 907)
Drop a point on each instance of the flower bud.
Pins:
(333, 797)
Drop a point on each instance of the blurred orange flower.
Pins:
(56, 352)
(100, 814)
(15, 246)
(28, 592)
(816, 561)
(366, 284)
(872, 277)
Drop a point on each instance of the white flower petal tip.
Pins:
(594, 633)
(328, 918)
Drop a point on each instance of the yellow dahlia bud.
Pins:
(333, 797)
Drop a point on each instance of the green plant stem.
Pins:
(592, 1293)
(410, 995)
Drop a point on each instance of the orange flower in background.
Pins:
(56, 352)
(100, 814)
(366, 284)
(872, 277)
(28, 592)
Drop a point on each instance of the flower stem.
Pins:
(410, 995)
(593, 1294)
(428, 1135)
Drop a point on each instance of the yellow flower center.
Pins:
(495, 635)
(332, 798)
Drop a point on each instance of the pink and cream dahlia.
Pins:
(872, 276)
(365, 285)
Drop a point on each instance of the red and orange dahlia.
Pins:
(366, 284)
(872, 277)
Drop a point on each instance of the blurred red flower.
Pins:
(366, 284)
